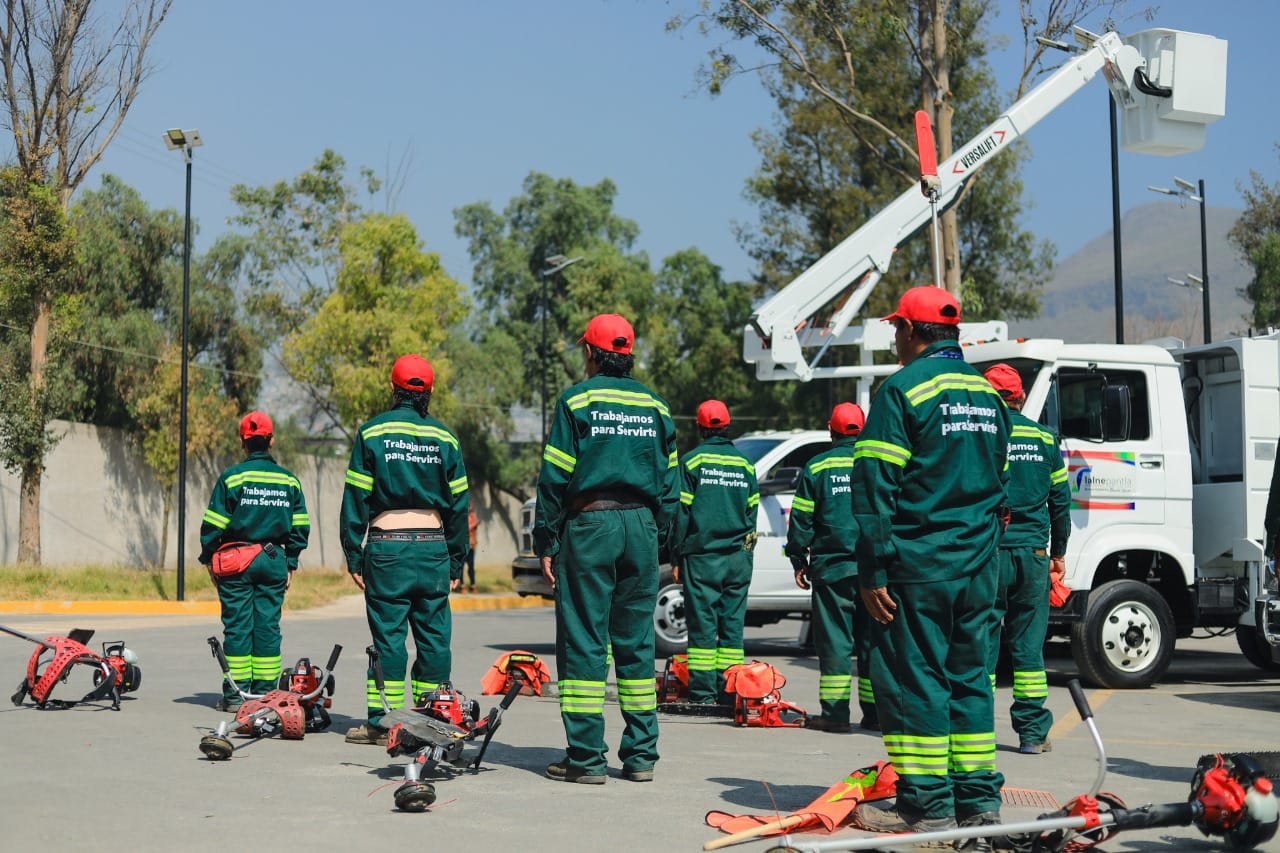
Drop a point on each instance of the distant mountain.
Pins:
(1159, 240)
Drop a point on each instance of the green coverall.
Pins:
(404, 460)
(821, 532)
(719, 499)
(260, 502)
(1039, 501)
(928, 485)
(612, 440)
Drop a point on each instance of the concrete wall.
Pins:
(100, 505)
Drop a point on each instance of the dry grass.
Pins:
(310, 587)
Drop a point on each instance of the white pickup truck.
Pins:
(779, 458)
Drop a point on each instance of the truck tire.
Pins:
(1254, 649)
(1125, 639)
(671, 635)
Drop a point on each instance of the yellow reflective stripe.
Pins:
(637, 694)
(265, 668)
(215, 519)
(882, 450)
(921, 755)
(270, 477)
(582, 697)
(459, 485)
(753, 500)
(701, 459)
(409, 429)
(973, 752)
(799, 504)
(421, 688)
(726, 657)
(931, 388)
(1059, 476)
(301, 518)
(1024, 431)
(834, 687)
(631, 399)
(1030, 685)
(865, 693)
(360, 481)
(701, 660)
(240, 667)
(686, 498)
(834, 462)
(559, 458)
(673, 460)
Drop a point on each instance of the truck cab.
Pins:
(1169, 455)
(779, 458)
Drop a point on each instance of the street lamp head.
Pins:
(559, 262)
(1164, 190)
(175, 139)
(1185, 184)
(1194, 279)
(555, 260)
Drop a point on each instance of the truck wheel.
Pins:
(1126, 637)
(671, 635)
(1255, 650)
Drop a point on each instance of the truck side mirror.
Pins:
(1117, 412)
(783, 480)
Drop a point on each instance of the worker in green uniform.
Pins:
(928, 497)
(821, 535)
(1039, 501)
(404, 533)
(714, 538)
(607, 494)
(258, 502)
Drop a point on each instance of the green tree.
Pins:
(36, 244)
(127, 327)
(1257, 235)
(509, 251)
(70, 77)
(389, 298)
(848, 78)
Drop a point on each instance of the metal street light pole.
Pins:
(1193, 192)
(185, 141)
(557, 263)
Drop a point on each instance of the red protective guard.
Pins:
(66, 653)
(293, 719)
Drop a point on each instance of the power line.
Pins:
(135, 353)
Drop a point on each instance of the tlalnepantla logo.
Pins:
(1102, 480)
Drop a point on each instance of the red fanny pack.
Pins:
(232, 558)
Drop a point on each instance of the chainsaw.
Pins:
(115, 671)
(435, 732)
(293, 709)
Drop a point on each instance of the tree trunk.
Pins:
(33, 471)
(942, 124)
(164, 533)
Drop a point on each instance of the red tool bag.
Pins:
(757, 700)
(233, 558)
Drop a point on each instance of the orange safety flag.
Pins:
(533, 672)
(827, 813)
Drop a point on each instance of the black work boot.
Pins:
(984, 844)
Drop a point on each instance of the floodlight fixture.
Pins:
(175, 139)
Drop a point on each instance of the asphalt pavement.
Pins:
(134, 780)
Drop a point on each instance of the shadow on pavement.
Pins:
(1143, 770)
(755, 795)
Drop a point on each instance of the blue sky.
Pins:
(476, 95)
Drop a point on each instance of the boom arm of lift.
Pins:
(780, 330)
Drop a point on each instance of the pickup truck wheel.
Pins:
(1255, 650)
(671, 635)
(1126, 637)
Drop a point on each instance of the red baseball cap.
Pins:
(847, 419)
(610, 332)
(927, 304)
(713, 414)
(1006, 381)
(412, 373)
(255, 424)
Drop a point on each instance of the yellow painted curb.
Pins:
(496, 602)
(114, 608)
